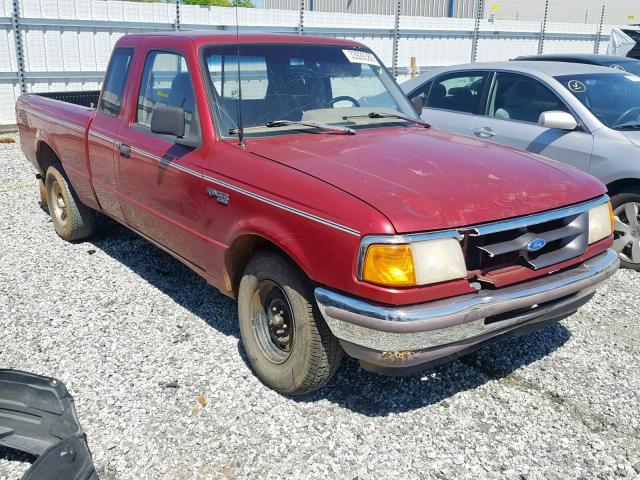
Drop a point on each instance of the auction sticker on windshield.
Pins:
(357, 56)
(577, 86)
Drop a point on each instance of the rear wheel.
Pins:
(626, 208)
(71, 219)
(289, 345)
(42, 190)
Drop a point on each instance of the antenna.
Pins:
(240, 126)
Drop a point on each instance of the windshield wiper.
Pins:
(627, 126)
(390, 115)
(284, 123)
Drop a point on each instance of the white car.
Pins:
(582, 115)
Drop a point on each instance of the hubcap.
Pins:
(58, 204)
(627, 232)
(272, 321)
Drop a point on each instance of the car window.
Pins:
(521, 98)
(422, 92)
(115, 80)
(459, 92)
(224, 75)
(309, 83)
(165, 82)
(614, 98)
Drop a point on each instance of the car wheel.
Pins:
(290, 347)
(42, 190)
(626, 208)
(71, 219)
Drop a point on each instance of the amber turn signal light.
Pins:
(389, 265)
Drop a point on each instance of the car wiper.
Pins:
(627, 126)
(390, 115)
(285, 123)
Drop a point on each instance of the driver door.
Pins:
(513, 108)
(160, 181)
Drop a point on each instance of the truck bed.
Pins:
(87, 98)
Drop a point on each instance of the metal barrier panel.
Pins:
(64, 45)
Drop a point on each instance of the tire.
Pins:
(43, 193)
(71, 219)
(626, 206)
(305, 355)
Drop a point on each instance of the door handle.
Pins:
(484, 132)
(125, 150)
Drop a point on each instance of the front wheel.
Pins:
(626, 208)
(289, 345)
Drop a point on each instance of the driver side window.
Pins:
(521, 98)
(165, 82)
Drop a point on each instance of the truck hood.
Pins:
(428, 179)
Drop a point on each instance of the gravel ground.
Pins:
(137, 337)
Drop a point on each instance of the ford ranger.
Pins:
(292, 174)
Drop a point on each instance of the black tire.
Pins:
(71, 219)
(632, 237)
(42, 190)
(312, 355)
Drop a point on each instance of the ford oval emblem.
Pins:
(536, 244)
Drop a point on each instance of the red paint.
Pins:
(380, 181)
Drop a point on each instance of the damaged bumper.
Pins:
(396, 340)
(37, 416)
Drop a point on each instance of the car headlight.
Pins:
(411, 263)
(601, 222)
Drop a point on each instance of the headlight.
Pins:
(413, 264)
(601, 222)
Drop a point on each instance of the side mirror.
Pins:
(557, 119)
(417, 104)
(168, 121)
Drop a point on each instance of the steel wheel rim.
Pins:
(58, 203)
(627, 232)
(272, 321)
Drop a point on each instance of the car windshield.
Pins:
(313, 84)
(614, 98)
(631, 67)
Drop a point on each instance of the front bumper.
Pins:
(399, 337)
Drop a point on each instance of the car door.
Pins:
(452, 100)
(160, 180)
(107, 120)
(513, 108)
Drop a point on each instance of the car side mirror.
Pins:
(417, 104)
(557, 119)
(168, 121)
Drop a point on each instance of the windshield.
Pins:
(631, 67)
(330, 85)
(614, 98)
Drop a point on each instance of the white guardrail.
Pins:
(64, 45)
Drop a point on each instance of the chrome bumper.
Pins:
(477, 315)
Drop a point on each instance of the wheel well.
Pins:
(242, 251)
(46, 157)
(622, 185)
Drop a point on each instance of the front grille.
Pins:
(564, 238)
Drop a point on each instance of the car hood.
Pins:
(428, 179)
(634, 137)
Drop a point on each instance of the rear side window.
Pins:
(166, 82)
(521, 98)
(115, 80)
(458, 92)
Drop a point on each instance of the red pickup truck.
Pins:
(293, 175)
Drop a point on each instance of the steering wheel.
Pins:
(620, 119)
(344, 98)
